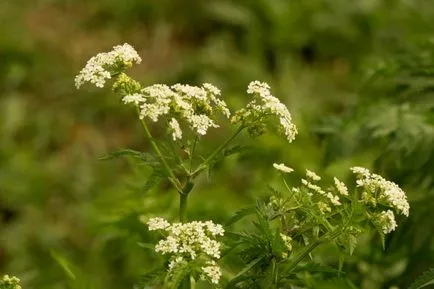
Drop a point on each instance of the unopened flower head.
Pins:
(9, 282)
(188, 241)
(283, 168)
(100, 67)
(263, 106)
(381, 190)
(287, 241)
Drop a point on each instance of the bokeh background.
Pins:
(358, 77)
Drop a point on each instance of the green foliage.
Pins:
(54, 194)
(427, 278)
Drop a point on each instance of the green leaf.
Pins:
(153, 180)
(67, 266)
(316, 268)
(146, 157)
(153, 277)
(240, 276)
(427, 278)
(341, 283)
(178, 276)
(241, 214)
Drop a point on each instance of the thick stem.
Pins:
(186, 283)
(216, 151)
(183, 198)
(172, 177)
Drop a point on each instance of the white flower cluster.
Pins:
(8, 282)
(191, 104)
(264, 105)
(377, 189)
(341, 187)
(212, 272)
(386, 221)
(333, 199)
(100, 67)
(283, 168)
(189, 241)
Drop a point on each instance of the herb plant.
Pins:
(285, 228)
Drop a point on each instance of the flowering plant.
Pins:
(287, 226)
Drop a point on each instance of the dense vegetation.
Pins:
(356, 75)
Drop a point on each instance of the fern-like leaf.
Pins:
(427, 278)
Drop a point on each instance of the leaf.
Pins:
(153, 180)
(178, 276)
(146, 157)
(65, 264)
(240, 276)
(153, 277)
(316, 268)
(427, 278)
(241, 214)
(341, 283)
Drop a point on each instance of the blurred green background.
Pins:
(358, 77)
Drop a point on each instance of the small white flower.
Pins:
(341, 187)
(157, 223)
(386, 220)
(135, 98)
(213, 273)
(283, 168)
(175, 129)
(312, 175)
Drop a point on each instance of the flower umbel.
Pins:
(193, 105)
(376, 189)
(100, 67)
(263, 106)
(186, 242)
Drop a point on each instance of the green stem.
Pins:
(172, 177)
(193, 148)
(215, 152)
(186, 283)
(183, 198)
(306, 251)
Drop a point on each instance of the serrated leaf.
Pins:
(241, 214)
(178, 276)
(240, 276)
(427, 278)
(153, 277)
(153, 180)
